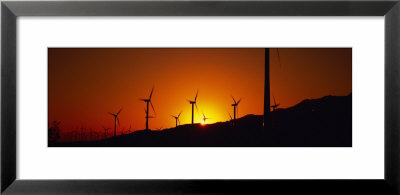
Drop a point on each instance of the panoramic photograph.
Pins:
(199, 97)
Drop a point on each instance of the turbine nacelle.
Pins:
(195, 98)
(235, 103)
(145, 100)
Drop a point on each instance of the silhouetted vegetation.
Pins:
(54, 132)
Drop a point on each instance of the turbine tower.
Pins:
(177, 119)
(148, 101)
(115, 120)
(193, 103)
(235, 108)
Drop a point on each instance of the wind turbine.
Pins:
(129, 130)
(193, 103)
(235, 108)
(148, 101)
(115, 120)
(205, 118)
(267, 93)
(275, 106)
(177, 119)
(105, 131)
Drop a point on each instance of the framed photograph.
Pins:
(207, 97)
(210, 117)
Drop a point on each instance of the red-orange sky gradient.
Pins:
(87, 83)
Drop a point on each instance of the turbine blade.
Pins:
(179, 114)
(233, 99)
(152, 107)
(239, 101)
(142, 99)
(151, 93)
(110, 113)
(228, 113)
(196, 108)
(197, 93)
(119, 111)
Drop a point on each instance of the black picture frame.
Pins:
(11, 10)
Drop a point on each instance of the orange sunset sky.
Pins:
(84, 84)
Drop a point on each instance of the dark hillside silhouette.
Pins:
(324, 122)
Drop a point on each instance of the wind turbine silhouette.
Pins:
(194, 103)
(177, 119)
(267, 94)
(205, 118)
(275, 106)
(115, 120)
(235, 108)
(129, 130)
(148, 101)
(105, 131)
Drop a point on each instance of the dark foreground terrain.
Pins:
(325, 122)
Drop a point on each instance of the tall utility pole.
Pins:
(267, 117)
